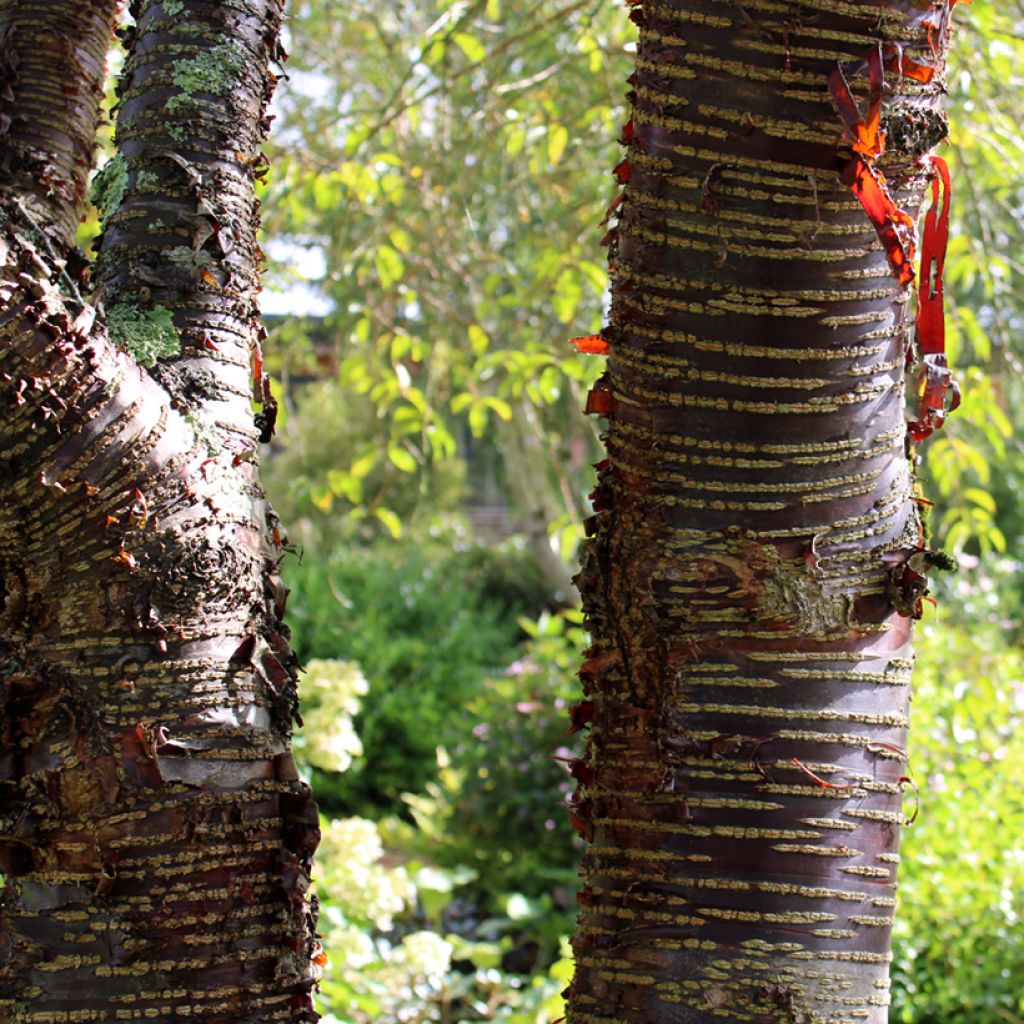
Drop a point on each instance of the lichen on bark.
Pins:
(148, 335)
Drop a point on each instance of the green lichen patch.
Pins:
(147, 181)
(174, 8)
(205, 434)
(146, 334)
(183, 256)
(109, 185)
(215, 71)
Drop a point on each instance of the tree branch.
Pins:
(179, 231)
(52, 65)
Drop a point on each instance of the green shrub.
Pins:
(388, 955)
(499, 804)
(959, 941)
(426, 631)
(371, 480)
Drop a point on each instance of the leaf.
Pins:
(400, 240)
(364, 464)
(558, 139)
(982, 498)
(470, 46)
(478, 419)
(515, 139)
(390, 266)
(501, 407)
(402, 459)
(390, 520)
(478, 339)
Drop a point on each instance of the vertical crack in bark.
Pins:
(749, 680)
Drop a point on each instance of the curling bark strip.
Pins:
(155, 838)
(939, 393)
(747, 690)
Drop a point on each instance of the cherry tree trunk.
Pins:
(746, 579)
(155, 838)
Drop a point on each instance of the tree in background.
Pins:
(155, 837)
(429, 168)
(756, 555)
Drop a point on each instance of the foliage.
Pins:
(456, 272)
(985, 280)
(498, 805)
(959, 942)
(383, 971)
(367, 482)
(389, 954)
(426, 624)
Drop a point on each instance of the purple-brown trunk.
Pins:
(154, 835)
(747, 690)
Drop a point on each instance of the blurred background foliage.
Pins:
(433, 226)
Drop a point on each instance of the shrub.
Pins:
(424, 634)
(959, 940)
(499, 805)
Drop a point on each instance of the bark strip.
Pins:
(747, 690)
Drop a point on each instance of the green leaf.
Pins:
(478, 339)
(478, 419)
(470, 46)
(402, 458)
(364, 464)
(982, 498)
(500, 406)
(390, 520)
(400, 240)
(390, 265)
(558, 139)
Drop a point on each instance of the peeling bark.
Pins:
(154, 836)
(52, 56)
(181, 235)
(747, 690)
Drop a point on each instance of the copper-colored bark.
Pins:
(154, 836)
(748, 685)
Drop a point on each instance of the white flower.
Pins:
(425, 953)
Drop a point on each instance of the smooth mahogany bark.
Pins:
(747, 691)
(155, 838)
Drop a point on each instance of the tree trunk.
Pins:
(746, 580)
(154, 835)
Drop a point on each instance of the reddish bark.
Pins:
(755, 555)
(154, 835)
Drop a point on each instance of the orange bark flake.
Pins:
(931, 321)
(592, 344)
(899, 64)
(599, 402)
(938, 391)
(895, 227)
